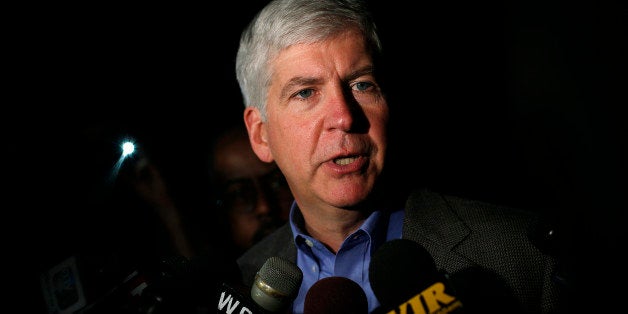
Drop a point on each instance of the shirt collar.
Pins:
(375, 226)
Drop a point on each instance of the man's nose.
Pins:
(340, 111)
(262, 206)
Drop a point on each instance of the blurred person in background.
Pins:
(252, 196)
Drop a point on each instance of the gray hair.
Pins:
(283, 23)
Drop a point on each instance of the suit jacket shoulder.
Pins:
(480, 243)
(445, 223)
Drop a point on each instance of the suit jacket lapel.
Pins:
(432, 222)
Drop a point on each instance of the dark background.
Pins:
(515, 103)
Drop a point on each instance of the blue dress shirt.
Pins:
(353, 258)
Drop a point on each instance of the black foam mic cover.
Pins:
(400, 269)
(335, 295)
(404, 278)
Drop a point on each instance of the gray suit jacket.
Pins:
(486, 249)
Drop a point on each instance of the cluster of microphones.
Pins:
(402, 274)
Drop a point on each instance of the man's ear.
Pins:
(257, 134)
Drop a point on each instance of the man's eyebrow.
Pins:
(238, 180)
(298, 81)
(367, 70)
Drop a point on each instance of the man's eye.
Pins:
(306, 93)
(234, 196)
(362, 86)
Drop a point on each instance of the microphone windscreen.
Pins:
(276, 284)
(400, 269)
(333, 295)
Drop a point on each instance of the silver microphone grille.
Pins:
(281, 274)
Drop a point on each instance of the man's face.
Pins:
(326, 126)
(252, 192)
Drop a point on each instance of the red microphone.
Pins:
(335, 295)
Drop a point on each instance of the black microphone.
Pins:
(182, 285)
(405, 279)
(335, 295)
(276, 285)
(175, 284)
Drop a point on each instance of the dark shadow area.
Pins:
(515, 103)
(482, 291)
